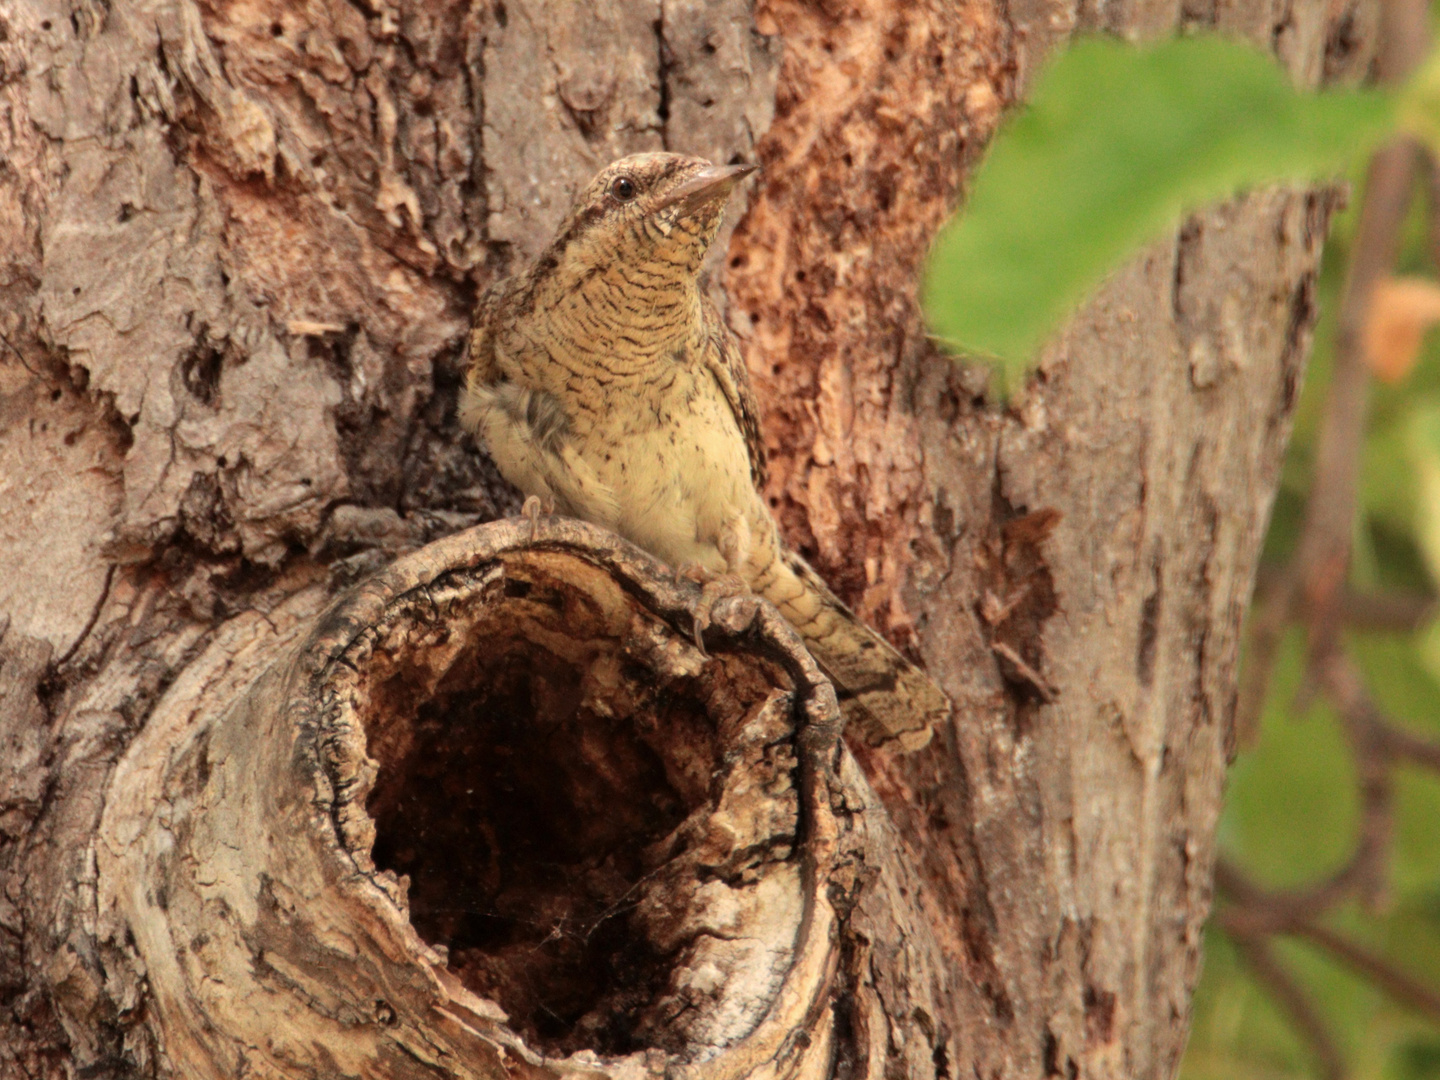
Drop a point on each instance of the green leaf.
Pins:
(1116, 143)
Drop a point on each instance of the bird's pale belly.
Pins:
(678, 485)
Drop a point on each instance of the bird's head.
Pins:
(655, 212)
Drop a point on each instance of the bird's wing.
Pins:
(722, 357)
(482, 368)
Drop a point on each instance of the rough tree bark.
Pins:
(237, 245)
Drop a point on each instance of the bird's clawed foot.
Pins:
(713, 588)
(533, 507)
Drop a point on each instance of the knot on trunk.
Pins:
(493, 807)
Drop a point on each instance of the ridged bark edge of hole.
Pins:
(233, 867)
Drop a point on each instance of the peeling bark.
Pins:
(238, 244)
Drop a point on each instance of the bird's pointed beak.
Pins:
(714, 182)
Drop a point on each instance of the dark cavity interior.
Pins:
(530, 770)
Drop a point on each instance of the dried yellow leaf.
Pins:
(1401, 310)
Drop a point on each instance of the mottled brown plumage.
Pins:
(603, 379)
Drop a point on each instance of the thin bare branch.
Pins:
(1308, 1021)
(1401, 612)
(1380, 741)
(1407, 746)
(1364, 723)
(1379, 970)
(1258, 911)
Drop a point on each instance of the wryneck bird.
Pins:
(604, 382)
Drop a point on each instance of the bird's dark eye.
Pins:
(623, 189)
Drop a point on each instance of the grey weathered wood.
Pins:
(1094, 813)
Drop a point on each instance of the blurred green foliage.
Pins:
(1112, 144)
(1115, 142)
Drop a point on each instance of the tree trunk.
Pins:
(494, 810)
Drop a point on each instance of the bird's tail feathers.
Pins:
(887, 697)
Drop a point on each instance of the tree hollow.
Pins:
(541, 824)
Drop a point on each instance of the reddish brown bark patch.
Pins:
(880, 108)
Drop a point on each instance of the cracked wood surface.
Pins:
(237, 245)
